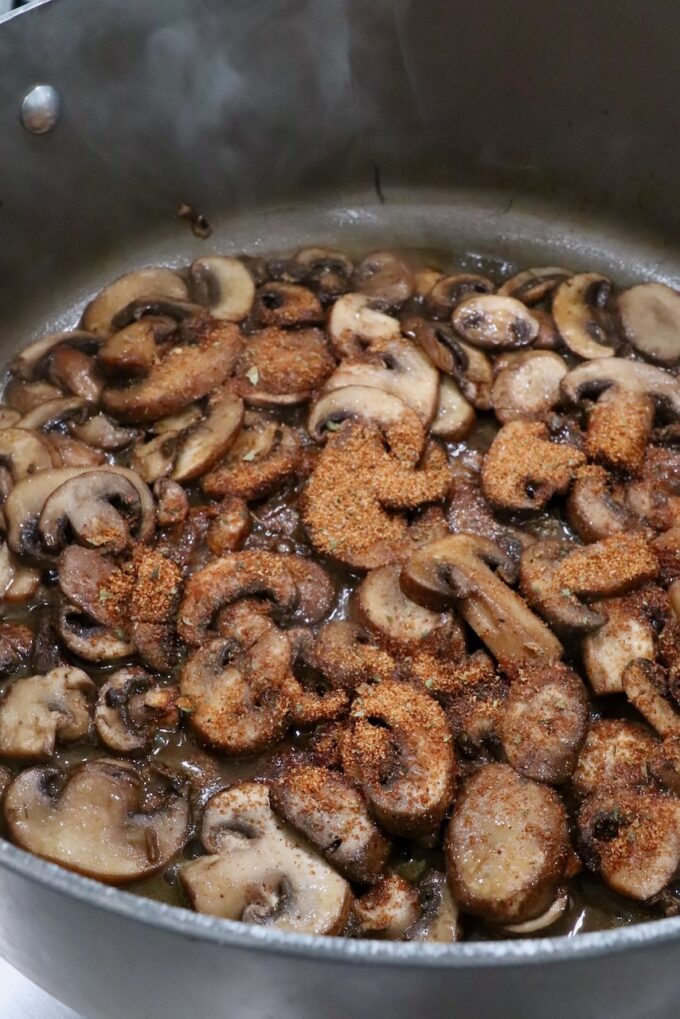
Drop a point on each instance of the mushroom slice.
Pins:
(225, 580)
(26, 396)
(449, 291)
(264, 455)
(131, 352)
(545, 722)
(523, 469)
(153, 606)
(615, 753)
(329, 812)
(593, 509)
(399, 423)
(102, 508)
(581, 308)
(76, 372)
(38, 711)
(507, 846)
(18, 582)
(281, 367)
(529, 387)
(384, 277)
(24, 452)
(470, 513)
(539, 923)
(472, 693)
(159, 308)
(531, 286)
(8, 417)
(90, 640)
(632, 837)
(664, 764)
(348, 656)
(155, 459)
(646, 687)
(208, 441)
(258, 871)
(398, 367)
(103, 433)
(628, 634)
(619, 427)
(285, 305)
(593, 378)
(75, 454)
(398, 748)
(54, 412)
(443, 347)
(16, 646)
(147, 283)
(495, 323)
(224, 285)
(102, 822)
(90, 581)
(315, 590)
(185, 374)
(398, 621)
(608, 567)
(455, 570)
(230, 527)
(130, 709)
(388, 909)
(556, 603)
(354, 325)
(438, 921)
(325, 270)
(650, 316)
(455, 418)
(31, 361)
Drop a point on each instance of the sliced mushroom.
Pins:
(596, 376)
(16, 646)
(282, 367)
(172, 503)
(507, 846)
(76, 372)
(552, 914)
(545, 722)
(633, 838)
(155, 459)
(103, 433)
(207, 442)
(455, 570)
(142, 283)
(495, 323)
(354, 325)
(75, 454)
(132, 351)
(94, 583)
(26, 396)
(581, 308)
(263, 456)
(443, 347)
(449, 291)
(650, 316)
(99, 820)
(608, 567)
(230, 528)
(90, 640)
(438, 921)
(185, 374)
(153, 607)
(38, 711)
(470, 513)
(628, 634)
(329, 812)
(455, 418)
(8, 417)
(285, 305)
(398, 748)
(615, 753)
(399, 423)
(388, 910)
(664, 764)
(131, 707)
(472, 693)
(325, 270)
(523, 469)
(593, 509)
(398, 621)
(225, 285)
(529, 387)
(384, 277)
(30, 362)
(646, 687)
(348, 656)
(52, 413)
(531, 286)
(556, 603)
(24, 452)
(260, 872)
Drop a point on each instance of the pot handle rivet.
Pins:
(40, 109)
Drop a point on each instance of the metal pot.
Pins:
(537, 131)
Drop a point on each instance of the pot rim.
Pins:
(230, 933)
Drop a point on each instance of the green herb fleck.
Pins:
(429, 683)
(155, 573)
(332, 426)
(249, 456)
(253, 376)
(566, 591)
(410, 870)
(447, 739)
(120, 634)
(104, 595)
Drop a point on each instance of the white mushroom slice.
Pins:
(650, 315)
(645, 686)
(75, 454)
(131, 707)
(8, 417)
(100, 822)
(76, 372)
(545, 722)
(155, 459)
(32, 358)
(595, 508)
(495, 323)
(400, 424)
(615, 753)
(182, 421)
(354, 325)
(628, 634)
(581, 310)
(38, 711)
(384, 277)
(131, 352)
(327, 271)
(25, 452)
(53, 412)
(324, 807)
(455, 418)
(24, 396)
(151, 283)
(439, 920)
(18, 582)
(424, 280)
(592, 378)
(103, 433)
(633, 838)
(224, 285)
(230, 527)
(529, 387)
(664, 764)
(208, 441)
(552, 914)
(448, 292)
(531, 286)
(400, 622)
(261, 872)
(398, 748)
(388, 910)
(507, 846)
(90, 640)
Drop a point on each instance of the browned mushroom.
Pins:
(172, 502)
(399, 423)
(52, 414)
(260, 872)
(531, 286)
(230, 527)
(205, 443)
(455, 417)
(470, 513)
(507, 846)
(388, 909)
(582, 312)
(398, 747)
(101, 819)
(542, 588)
(130, 709)
(155, 459)
(628, 634)
(224, 284)
(449, 291)
(495, 323)
(280, 367)
(650, 316)
(26, 396)
(25, 452)
(31, 362)
(646, 686)
(16, 646)
(326, 271)
(142, 283)
(132, 351)
(348, 656)
(528, 387)
(152, 607)
(73, 453)
(594, 509)
(103, 433)
(354, 324)
(76, 372)
(398, 622)
(663, 763)
(615, 753)
(284, 305)
(384, 277)
(439, 913)
(608, 567)
(264, 455)
(38, 711)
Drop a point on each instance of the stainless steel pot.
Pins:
(540, 131)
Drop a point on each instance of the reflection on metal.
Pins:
(40, 109)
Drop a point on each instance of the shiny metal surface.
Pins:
(20, 999)
(40, 109)
(537, 132)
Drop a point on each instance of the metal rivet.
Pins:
(40, 109)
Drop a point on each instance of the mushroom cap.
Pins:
(355, 324)
(650, 316)
(224, 285)
(529, 386)
(400, 424)
(150, 282)
(261, 872)
(495, 323)
(455, 417)
(387, 611)
(37, 711)
(130, 707)
(556, 603)
(264, 455)
(580, 309)
(208, 441)
(593, 377)
(28, 362)
(384, 277)
(98, 823)
(282, 367)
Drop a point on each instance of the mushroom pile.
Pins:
(345, 596)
